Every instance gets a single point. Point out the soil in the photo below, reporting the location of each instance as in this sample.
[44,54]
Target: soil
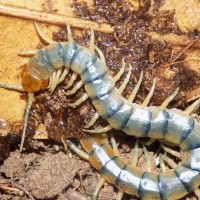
[47,170]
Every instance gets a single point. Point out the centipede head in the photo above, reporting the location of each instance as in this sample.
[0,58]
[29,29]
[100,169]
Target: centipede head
[32,83]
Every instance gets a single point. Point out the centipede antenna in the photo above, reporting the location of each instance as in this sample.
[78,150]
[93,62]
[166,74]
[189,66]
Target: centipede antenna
[12,86]
[27,112]
[148,162]
[135,154]
[114,145]
[101,55]
[135,90]
[119,195]
[192,107]
[98,188]
[92,121]
[126,80]
[69,33]
[92,46]
[149,96]
[121,71]
[75,88]
[100,130]
[79,101]
[42,35]
[169,99]
[77,150]
[71,81]
[171,151]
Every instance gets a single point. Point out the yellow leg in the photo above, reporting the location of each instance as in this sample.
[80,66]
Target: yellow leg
[148,98]
[79,101]
[27,112]
[74,89]
[42,35]
[135,90]
[171,151]
[148,162]
[98,188]
[92,46]
[69,33]
[162,164]
[71,81]
[100,130]
[135,154]
[100,54]
[54,80]
[169,99]
[121,71]
[114,145]
[77,150]
[192,107]
[63,75]
[197,192]
[126,80]
[171,163]
[92,121]
[119,195]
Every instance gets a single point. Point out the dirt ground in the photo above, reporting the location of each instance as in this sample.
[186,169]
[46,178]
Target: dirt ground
[149,35]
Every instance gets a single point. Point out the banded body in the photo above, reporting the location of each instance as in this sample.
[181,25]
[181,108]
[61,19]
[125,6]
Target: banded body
[172,125]
[170,185]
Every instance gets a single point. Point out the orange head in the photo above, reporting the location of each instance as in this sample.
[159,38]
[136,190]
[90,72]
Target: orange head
[32,83]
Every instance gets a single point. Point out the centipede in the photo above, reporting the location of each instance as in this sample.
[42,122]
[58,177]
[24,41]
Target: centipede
[50,65]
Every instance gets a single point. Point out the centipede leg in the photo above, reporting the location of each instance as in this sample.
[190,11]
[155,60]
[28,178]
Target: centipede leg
[168,160]
[197,192]
[27,111]
[79,101]
[114,145]
[192,107]
[126,80]
[42,35]
[71,81]
[54,81]
[98,188]
[169,99]
[146,101]
[69,33]
[135,154]
[77,150]
[102,57]
[92,121]
[171,151]
[148,162]
[63,75]
[135,90]
[74,89]
[121,71]
[92,46]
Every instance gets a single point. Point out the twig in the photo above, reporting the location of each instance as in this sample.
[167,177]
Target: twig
[174,39]
[53,18]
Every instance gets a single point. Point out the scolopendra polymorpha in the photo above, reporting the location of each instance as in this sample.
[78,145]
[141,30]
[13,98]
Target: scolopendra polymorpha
[45,70]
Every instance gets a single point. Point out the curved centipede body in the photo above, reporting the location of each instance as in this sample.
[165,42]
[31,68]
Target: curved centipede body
[173,184]
[49,66]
